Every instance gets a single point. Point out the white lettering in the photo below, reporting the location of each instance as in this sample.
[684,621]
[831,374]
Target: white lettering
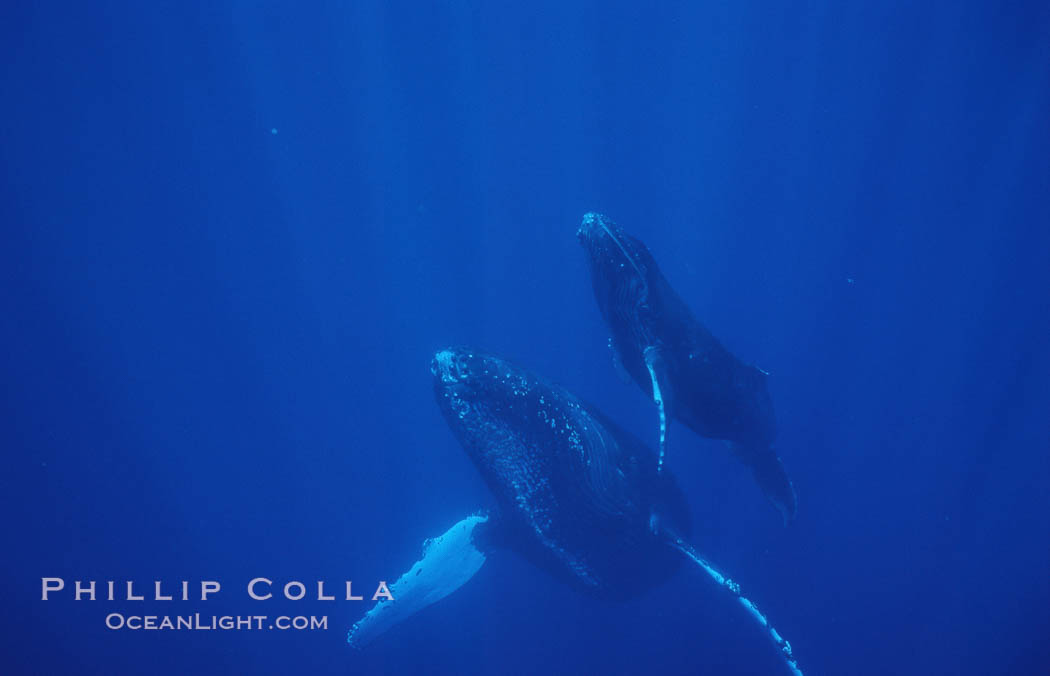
[209,587]
[132,597]
[158,596]
[381,590]
[81,590]
[299,585]
[47,584]
[251,589]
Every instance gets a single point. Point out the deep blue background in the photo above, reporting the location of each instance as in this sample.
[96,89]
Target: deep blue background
[215,338]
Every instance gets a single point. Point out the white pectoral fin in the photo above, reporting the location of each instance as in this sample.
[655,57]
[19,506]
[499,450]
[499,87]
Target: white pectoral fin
[779,642]
[661,396]
[449,560]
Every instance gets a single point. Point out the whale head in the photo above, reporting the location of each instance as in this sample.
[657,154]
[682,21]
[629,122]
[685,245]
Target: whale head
[465,373]
[610,250]
[621,266]
[483,397]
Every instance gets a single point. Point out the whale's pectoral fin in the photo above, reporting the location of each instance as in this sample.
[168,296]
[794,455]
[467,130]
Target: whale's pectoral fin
[662,396]
[771,476]
[781,644]
[449,560]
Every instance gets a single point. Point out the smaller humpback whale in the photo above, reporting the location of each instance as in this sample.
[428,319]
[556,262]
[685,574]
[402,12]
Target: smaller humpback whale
[575,495]
[689,375]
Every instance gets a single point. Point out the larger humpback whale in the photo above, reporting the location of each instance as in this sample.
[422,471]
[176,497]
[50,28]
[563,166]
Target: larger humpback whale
[674,358]
[575,495]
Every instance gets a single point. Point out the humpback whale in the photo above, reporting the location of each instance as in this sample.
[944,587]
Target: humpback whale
[575,495]
[690,376]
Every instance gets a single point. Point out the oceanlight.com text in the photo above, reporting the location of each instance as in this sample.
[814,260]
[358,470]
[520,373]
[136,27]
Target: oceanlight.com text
[199,622]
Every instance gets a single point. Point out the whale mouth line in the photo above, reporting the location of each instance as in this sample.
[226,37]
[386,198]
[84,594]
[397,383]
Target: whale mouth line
[630,259]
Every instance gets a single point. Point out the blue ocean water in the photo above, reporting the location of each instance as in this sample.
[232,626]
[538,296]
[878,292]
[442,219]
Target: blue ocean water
[236,233]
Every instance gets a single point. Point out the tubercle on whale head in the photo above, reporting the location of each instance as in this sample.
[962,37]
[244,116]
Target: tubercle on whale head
[609,248]
[597,232]
[591,223]
[450,365]
[457,387]
[471,374]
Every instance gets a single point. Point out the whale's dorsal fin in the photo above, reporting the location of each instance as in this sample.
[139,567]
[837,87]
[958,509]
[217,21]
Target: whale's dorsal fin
[781,644]
[449,560]
[662,395]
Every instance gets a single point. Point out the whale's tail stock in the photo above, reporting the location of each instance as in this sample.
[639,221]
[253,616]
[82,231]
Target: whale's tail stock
[770,476]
